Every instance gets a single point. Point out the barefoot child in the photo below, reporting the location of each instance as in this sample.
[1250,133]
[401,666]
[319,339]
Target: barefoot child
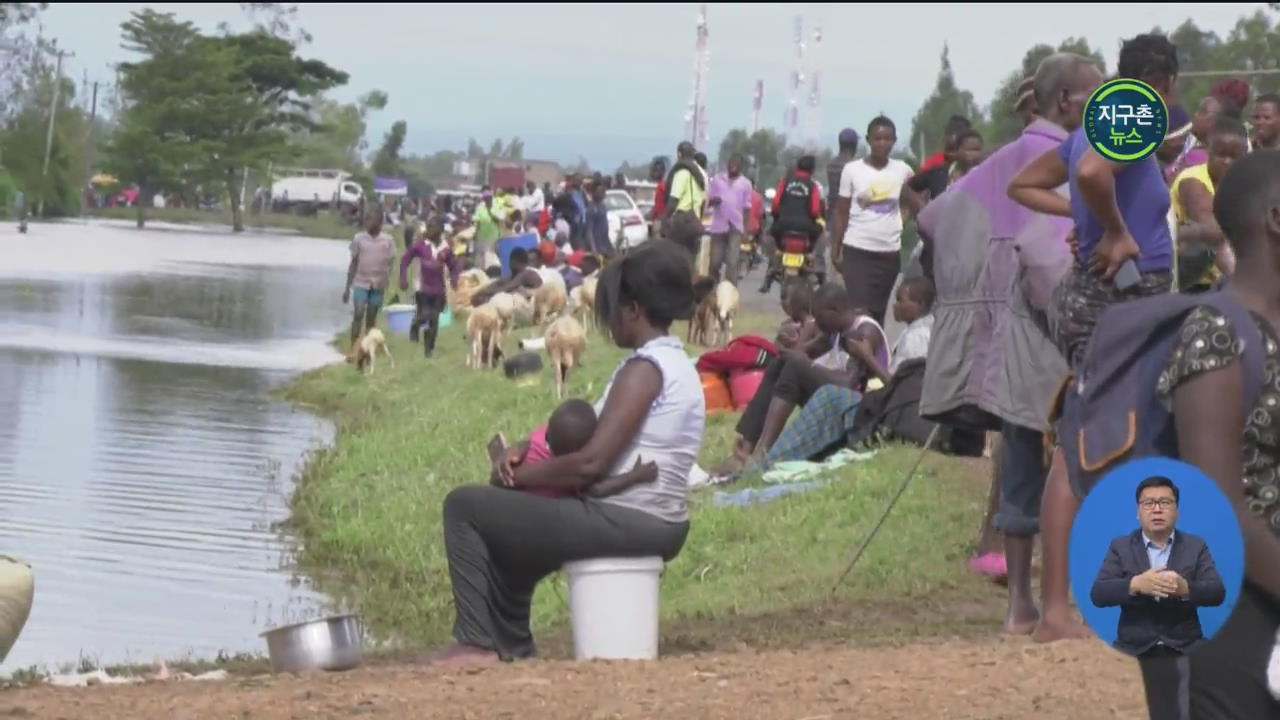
[372,253]
[567,431]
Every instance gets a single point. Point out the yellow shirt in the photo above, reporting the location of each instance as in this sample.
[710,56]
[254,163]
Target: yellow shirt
[689,196]
[1201,173]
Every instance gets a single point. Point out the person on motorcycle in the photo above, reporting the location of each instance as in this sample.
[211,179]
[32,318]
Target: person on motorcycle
[797,208]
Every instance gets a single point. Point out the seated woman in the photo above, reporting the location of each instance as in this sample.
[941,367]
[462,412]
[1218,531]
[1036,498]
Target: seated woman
[793,378]
[500,543]
[826,420]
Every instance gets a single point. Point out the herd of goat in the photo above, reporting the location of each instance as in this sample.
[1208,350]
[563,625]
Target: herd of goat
[565,317]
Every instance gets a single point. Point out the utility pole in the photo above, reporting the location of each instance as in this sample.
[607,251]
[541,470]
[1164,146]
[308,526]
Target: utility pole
[91,144]
[48,141]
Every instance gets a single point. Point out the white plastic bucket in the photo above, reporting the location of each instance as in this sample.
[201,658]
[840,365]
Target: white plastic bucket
[613,605]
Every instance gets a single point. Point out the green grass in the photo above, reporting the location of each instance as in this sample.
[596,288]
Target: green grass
[321,226]
[367,512]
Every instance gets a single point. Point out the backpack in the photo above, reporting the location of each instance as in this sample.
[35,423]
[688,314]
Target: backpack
[1109,412]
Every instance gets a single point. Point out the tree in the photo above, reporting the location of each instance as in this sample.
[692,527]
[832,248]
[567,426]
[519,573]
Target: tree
[1003,124]
[514,150]
[387,162]
[762,149]
[264,95]
[152,144]
[946,100]
[495,150]
[23,145]
[17,13]
[278,19]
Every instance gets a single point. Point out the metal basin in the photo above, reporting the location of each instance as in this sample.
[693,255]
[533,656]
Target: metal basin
[332,643]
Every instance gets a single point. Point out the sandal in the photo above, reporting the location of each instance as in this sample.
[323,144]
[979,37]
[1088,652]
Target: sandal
[992,566]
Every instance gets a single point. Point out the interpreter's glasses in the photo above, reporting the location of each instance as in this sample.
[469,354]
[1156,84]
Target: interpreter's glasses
[1162,503]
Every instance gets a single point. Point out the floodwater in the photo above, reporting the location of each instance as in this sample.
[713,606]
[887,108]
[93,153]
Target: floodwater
[143,462]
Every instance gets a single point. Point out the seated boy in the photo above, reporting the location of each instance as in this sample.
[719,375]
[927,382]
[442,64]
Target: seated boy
[799,327]
[912,306]
[568,430]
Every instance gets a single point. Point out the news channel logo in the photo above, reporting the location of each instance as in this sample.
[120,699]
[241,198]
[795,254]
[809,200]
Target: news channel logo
[1125,120]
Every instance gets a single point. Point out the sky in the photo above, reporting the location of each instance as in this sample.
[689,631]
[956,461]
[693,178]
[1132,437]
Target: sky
[612,83]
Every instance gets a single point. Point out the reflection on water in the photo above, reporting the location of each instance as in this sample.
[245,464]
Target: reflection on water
[142,460]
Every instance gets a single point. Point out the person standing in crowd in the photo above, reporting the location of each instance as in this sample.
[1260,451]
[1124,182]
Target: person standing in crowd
[368,274]
[435,259]
[730,200]
[1121,213]
[1025,106]
[847,142]
[993,365]
[1175,142]
[1266,122]
[1205,382]
[1204,255]
[963,156]
[534,202]
[872,200]
[1227,98]
[955,125]
[658,175]
[487,230]
[597,221]
[687,191]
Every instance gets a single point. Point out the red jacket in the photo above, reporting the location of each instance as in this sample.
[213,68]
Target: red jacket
[933,162]
[660,200]
[756,218]
[815,196]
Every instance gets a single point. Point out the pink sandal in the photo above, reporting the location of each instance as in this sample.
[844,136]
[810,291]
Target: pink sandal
[992,566]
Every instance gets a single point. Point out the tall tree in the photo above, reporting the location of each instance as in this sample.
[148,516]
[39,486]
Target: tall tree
[265,95]
[1003,124]
[514,150]
[387,162]
[495,150]
[947,99]
[153,141]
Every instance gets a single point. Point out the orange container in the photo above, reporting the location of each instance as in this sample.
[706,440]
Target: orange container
[743,385]
[716,391]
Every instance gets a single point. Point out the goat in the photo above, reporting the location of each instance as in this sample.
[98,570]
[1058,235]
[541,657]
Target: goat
[364,353]
[484,329]
[566,341]
[704,300]
[727,300]
[549,300]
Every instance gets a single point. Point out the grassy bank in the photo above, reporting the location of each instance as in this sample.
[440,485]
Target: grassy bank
[368,513]
[322,226]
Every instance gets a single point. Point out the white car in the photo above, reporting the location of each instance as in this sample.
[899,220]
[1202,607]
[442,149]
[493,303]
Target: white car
[626,216]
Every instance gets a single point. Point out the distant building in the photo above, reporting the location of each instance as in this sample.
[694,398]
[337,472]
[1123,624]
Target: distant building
[543,171]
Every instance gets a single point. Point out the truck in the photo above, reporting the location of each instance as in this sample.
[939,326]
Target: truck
[307,190]
[506,176]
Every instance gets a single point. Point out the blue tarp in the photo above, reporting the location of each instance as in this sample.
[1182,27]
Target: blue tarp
[528,241]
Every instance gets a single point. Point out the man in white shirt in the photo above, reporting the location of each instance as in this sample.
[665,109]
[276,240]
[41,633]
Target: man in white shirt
[869,220]
[535,203]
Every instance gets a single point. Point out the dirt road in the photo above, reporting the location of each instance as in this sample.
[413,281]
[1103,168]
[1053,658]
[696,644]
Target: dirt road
[955,680]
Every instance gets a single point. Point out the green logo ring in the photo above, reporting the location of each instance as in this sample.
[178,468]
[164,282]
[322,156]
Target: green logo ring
[1109,130]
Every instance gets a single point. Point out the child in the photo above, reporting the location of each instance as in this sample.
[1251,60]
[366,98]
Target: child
[435,257]
[568,430]
[797,303]
[913,306]
[372,253]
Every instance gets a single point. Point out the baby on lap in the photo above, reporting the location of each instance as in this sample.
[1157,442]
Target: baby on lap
[568,430]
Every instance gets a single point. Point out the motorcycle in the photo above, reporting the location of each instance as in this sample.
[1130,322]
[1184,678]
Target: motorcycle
[749,255]
[797,259]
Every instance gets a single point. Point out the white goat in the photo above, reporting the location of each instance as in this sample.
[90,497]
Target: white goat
[566,342]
